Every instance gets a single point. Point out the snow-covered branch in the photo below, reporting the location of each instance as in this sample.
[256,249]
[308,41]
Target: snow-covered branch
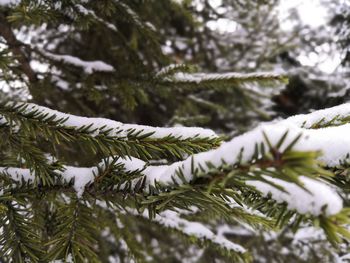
[171,219]
[115,128]
[333,114]
[198,78]
[80,176]
[333,142]
[88,66]
[316,197]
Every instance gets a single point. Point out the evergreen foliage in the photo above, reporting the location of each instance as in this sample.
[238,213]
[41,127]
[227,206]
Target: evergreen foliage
[79,184]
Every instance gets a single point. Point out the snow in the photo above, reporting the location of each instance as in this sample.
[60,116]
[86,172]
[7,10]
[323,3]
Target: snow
[307,234]
[84,176]
[319,197]
[344,258]
[166,69]
[62,84]
[81,176]
[200,77]
[120,130]
[325,115]
[88,66]
[151,26]
[18,174]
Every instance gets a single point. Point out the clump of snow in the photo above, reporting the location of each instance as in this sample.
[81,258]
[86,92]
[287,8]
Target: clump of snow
[18,174]
[317,198]
[62,84]
[81,176]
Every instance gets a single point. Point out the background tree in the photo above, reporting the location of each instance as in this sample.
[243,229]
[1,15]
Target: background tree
[95,189]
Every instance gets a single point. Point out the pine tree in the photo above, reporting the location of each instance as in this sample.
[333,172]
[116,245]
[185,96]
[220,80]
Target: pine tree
[81,182]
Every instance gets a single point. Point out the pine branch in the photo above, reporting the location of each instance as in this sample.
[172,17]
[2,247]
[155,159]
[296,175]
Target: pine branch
[88,12]
[34,158]
[19,240]
[74,235]
[170,70]
[89,67]
[217,79]
[107,136]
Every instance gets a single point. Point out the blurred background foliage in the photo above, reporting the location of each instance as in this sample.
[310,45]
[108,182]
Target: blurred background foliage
[203,35]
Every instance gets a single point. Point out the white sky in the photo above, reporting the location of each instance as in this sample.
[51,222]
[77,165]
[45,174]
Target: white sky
[311,12]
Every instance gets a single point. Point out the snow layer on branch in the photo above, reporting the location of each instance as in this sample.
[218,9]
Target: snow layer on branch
[332,141]
[318,197]
[88,66]
[81,176]
[165,70]
[325,115]
[201,77]
[18,174]
[172,220]
[121,130]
